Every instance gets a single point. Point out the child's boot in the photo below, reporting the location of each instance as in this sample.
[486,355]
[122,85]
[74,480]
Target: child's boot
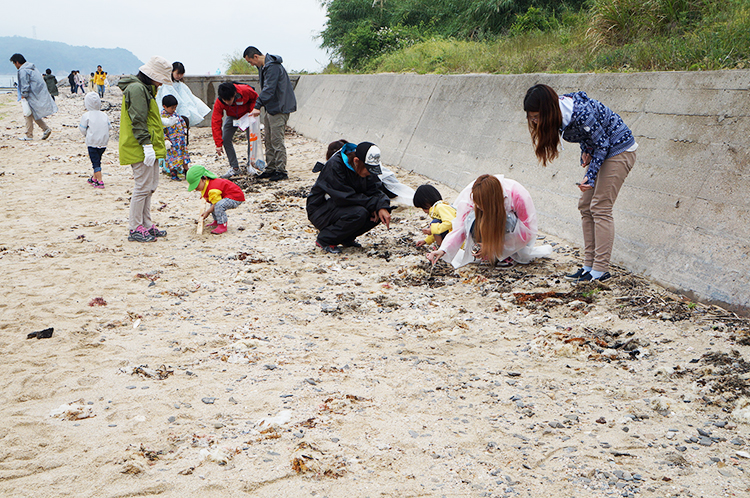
[219,229]
[213,224]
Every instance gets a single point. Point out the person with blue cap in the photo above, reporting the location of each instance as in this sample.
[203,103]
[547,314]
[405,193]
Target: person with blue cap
[347,200]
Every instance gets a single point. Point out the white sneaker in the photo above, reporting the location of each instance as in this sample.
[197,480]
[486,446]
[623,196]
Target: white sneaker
[26,139]
[46,133]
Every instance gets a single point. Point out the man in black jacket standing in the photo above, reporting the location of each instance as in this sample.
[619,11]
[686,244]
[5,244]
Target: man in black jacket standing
[276,95]
[346,200]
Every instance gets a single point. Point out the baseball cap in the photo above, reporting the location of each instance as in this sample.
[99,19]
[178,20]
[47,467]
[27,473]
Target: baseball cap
[369,153]
[194,175]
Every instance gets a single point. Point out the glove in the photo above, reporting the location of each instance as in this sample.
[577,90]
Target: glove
[149,155]
[167,122]
[167,144]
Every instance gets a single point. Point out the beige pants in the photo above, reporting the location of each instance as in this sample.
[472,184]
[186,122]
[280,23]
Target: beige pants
[30,125]
[595,206]
[146,180]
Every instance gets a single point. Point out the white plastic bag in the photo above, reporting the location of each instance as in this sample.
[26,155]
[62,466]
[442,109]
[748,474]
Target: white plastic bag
[256,146]
[25,107]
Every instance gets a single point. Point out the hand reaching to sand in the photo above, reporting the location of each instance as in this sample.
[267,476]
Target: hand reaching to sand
[434,256]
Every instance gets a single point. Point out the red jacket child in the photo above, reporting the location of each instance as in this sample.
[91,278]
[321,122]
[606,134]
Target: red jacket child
[221,193]
[218,188]
[243,104]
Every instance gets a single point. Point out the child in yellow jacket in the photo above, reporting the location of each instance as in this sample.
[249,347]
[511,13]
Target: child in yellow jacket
[431,202]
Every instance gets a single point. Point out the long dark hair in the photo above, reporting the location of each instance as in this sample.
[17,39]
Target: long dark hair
[489,209]
[545,132]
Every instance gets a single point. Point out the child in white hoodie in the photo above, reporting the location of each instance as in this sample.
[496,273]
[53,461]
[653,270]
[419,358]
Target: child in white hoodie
[95,127]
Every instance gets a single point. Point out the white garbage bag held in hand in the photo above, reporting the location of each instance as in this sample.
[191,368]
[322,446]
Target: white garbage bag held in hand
[25,107]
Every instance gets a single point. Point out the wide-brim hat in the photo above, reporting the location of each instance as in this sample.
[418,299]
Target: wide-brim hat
[369,154]
[194,175]
[158,69]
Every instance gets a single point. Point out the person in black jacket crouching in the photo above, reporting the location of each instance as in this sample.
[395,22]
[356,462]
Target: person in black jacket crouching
[346,200]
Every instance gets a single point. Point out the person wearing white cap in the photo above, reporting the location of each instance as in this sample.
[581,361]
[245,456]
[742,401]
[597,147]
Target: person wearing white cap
[142,142]
[347,200]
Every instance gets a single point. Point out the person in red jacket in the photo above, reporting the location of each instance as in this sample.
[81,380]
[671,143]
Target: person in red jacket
[221,193]
[236,99]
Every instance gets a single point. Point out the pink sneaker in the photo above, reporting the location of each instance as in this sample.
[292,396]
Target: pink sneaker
[98,184]
[219,229]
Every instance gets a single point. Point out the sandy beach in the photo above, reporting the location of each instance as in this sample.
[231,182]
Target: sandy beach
[253,364]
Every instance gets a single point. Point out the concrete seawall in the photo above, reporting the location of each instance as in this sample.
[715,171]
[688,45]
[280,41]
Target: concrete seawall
[681,216]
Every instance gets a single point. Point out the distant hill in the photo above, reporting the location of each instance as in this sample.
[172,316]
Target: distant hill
[62,58]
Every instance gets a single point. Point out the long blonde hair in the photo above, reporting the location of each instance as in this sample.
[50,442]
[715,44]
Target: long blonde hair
[545,134]
[489,209]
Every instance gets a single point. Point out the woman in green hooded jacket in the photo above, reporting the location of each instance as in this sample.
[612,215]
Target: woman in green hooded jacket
[142,142]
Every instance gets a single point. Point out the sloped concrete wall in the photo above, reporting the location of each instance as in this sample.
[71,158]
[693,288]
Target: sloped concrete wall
[681,217]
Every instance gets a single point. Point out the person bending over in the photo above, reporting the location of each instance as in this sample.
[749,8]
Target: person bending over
[428,199]
[495,221]
[237,99]
[346,200]
[607,152]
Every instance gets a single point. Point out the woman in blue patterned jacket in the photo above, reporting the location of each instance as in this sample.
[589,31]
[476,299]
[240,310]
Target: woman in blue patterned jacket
[607,153]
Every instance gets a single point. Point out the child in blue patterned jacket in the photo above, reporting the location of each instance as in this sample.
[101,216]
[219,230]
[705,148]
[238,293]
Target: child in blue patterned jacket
[607,153]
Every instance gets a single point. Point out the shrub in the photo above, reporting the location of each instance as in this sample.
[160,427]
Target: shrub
[533,20]
[236,64]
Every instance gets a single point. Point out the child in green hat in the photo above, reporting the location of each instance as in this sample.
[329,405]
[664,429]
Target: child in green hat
[221,193]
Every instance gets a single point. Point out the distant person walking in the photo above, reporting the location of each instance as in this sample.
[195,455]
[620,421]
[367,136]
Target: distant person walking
[607,153]
[277,98]
[72,81]
[80,83]
[51,82]
[142,142]
[34,97]
[95,127]
[100,80]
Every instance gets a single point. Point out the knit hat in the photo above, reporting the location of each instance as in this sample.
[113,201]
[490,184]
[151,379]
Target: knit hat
[194,175]
[369,153]
[158,69]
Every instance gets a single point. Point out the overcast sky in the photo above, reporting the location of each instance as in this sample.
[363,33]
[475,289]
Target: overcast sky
[199,33]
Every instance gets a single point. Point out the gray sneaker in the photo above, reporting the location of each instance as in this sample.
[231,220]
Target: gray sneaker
[156,232]
[46,133]
[229,174]
[140,234]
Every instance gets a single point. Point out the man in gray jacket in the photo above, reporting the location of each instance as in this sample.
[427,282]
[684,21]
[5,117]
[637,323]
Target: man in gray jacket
[276,95]
[33,91]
